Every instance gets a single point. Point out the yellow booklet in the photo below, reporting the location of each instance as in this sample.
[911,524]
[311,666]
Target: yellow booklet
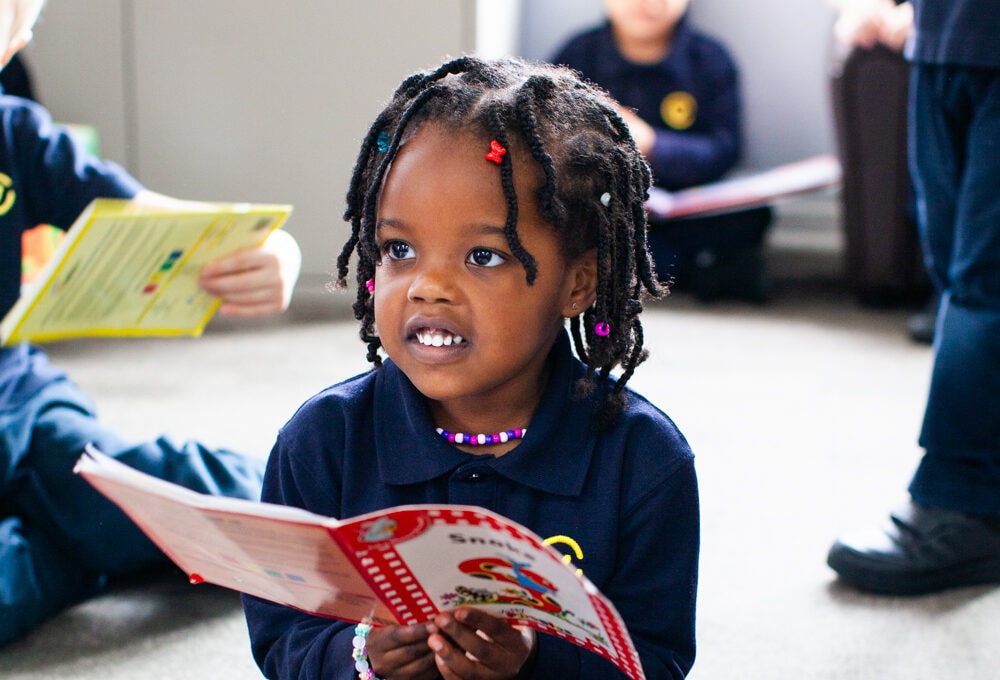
[130,270]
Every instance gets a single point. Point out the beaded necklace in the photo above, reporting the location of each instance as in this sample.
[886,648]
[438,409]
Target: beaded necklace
[481,439]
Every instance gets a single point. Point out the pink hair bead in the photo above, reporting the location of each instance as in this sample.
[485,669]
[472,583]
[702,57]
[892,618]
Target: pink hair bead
[370,285]
[602,328]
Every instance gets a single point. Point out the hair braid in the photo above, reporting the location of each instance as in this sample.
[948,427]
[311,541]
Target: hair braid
[498,112]
[538,89]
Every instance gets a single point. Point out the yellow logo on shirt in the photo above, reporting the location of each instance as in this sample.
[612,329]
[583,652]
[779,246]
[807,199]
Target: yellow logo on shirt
[573,546]
[678,110]
[7,194]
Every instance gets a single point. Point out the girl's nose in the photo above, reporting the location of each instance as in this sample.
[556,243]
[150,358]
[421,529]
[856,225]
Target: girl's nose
[432,284]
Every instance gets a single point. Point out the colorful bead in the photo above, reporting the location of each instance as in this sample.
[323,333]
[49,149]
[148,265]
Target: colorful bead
[383,141]
[605,199]
[359,652]
[496,152]
[482,439]
[370,285]
[602,329]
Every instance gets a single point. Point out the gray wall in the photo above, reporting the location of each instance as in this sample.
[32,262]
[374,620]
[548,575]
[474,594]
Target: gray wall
[255,100]
[241,100]
[783,49]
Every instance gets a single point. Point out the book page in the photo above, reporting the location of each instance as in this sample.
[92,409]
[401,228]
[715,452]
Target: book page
[739,193]
[274,552]
[424,559]
[128,270]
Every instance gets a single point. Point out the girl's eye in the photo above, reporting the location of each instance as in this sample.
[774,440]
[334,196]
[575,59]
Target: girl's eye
[398,250]
[484,257]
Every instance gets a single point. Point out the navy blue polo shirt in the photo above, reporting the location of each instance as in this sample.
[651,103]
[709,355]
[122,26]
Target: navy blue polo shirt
[691,98]
[628,496]
[957,32]
[46,177]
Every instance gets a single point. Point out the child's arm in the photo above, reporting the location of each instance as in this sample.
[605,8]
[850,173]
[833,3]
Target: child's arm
[286,642]
[686,157]
[655,587]
[250,283]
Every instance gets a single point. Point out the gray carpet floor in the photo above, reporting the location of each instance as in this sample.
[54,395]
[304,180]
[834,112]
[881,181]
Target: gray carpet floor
[803,413]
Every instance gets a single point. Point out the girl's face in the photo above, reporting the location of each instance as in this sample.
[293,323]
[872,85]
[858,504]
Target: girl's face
[452,306]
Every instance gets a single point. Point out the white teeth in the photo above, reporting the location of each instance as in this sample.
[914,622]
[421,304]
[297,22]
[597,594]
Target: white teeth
[438,338]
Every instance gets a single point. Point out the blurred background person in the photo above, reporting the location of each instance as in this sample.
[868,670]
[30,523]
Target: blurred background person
[948,533]
[680,96]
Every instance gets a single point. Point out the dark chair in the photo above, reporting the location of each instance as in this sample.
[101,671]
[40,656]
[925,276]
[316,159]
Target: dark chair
[883,262]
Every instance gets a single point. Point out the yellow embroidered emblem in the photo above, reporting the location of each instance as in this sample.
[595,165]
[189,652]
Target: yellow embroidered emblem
[7,194]
[679,110]
[573,546]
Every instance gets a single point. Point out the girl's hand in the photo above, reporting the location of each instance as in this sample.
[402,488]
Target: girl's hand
[255,282]
[469,644]
[401,652]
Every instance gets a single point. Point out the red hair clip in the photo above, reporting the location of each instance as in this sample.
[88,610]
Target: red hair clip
[496,152]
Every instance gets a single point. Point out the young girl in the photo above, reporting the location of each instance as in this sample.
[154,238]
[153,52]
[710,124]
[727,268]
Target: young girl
[491,202]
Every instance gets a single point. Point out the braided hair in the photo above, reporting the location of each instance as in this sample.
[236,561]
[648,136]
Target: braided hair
[593,193]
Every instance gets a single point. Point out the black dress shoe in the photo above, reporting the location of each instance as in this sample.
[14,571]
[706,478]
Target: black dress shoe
[922,550]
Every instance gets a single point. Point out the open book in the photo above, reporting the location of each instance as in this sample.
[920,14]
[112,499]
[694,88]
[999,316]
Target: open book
[127,269]
[748,191]
[401,565]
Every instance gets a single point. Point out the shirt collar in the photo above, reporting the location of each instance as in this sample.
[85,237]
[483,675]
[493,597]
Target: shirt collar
[554,457]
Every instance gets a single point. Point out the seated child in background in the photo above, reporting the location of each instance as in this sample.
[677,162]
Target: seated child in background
[679,91]
[60,539]
[491,202]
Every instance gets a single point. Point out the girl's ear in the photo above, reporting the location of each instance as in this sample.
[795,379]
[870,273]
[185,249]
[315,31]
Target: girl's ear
[583,278]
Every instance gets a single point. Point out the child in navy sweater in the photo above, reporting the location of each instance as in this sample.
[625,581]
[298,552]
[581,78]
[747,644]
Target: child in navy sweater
[679,92]
[60,540]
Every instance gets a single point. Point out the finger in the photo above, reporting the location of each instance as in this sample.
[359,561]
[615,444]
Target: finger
[452,662]
[243,311]
[220,281]
[248,293]
[245,292]
[469,641]
[409,661]
[390,637]
[495,629]
[421,668]
[401,651]
[244,260]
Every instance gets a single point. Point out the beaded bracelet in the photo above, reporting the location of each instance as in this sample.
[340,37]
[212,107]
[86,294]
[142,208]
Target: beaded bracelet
[360,651]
